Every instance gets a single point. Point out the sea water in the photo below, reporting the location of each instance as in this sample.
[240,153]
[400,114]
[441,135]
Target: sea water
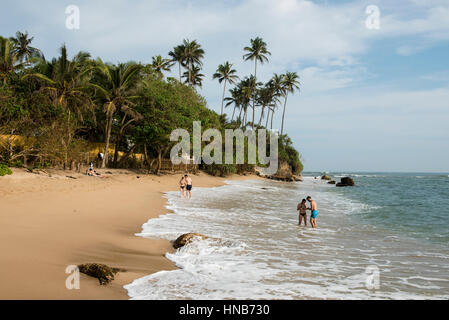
[385,238]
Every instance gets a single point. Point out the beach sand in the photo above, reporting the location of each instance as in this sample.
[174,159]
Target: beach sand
[49,221]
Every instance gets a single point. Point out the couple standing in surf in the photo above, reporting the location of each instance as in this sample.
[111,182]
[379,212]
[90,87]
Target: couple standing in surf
[186,185]
[302,208]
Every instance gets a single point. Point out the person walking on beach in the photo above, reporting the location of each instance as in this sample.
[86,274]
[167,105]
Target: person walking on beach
[302,208]
[314,209]
[189,186]
[182,186]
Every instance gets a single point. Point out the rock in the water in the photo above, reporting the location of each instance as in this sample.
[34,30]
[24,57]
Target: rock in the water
[332,182]
[187,238]
[326,177]
[102,272]
[346,182]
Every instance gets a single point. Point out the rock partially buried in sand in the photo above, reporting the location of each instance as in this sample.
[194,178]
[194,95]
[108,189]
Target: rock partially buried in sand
[346,182]
[186,239]
[102,272]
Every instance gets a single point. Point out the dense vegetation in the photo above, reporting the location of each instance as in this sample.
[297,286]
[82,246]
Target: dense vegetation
[52,112]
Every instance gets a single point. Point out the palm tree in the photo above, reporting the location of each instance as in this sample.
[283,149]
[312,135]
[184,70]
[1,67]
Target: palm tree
[115,88]
[235,99]
[193,53]
[196,78]
[9,61]
[227,74]
[257,52]
[276,84]
[289,83]
[246,88]
[178,56]
[67,81]
[265,98]
[160,64]
[23,49]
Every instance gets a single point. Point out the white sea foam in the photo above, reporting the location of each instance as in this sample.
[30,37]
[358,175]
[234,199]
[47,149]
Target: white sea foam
[267,256]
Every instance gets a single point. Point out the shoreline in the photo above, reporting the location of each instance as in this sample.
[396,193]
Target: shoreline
[48,223]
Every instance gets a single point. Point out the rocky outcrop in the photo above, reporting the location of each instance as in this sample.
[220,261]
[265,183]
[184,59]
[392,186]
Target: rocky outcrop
[332,182]
[326,177]
[102,272]
[284,173]
[186,239]
[346,182]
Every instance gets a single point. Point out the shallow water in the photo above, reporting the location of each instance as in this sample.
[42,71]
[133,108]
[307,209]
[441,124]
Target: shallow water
[265,255]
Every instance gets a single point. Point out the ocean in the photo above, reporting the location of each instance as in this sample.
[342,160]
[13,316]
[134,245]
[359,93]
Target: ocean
[385,238]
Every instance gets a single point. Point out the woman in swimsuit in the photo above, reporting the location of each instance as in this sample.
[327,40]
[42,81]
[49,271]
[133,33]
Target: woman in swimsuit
[302,212]
[182,186]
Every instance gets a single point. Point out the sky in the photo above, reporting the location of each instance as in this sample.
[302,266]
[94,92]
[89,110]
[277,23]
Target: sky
[371,98]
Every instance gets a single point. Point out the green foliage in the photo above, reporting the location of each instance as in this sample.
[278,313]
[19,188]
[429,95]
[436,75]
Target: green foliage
[4,170]
[287,153]
[56,108]
[220,170]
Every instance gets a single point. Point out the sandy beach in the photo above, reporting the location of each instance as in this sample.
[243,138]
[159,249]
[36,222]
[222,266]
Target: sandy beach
[49,221]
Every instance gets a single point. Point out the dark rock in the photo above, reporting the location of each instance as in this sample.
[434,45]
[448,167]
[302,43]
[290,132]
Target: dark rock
[332,182]
[102,272]
[326,177]
[186,239]
[346,182]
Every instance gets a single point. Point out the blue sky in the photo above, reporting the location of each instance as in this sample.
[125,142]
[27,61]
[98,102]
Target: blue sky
[370,100]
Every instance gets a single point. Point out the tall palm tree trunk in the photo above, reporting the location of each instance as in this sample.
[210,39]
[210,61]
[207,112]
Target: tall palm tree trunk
[272,116]
[180,77]
[261,115]
[254,93]
[108,138]
[233,113]
[240,114]
[190,73]
[268,118]
[283,114]
[222,100]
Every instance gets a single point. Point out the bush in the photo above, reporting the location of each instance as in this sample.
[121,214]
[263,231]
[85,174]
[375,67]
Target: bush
[220,170]
[4,170]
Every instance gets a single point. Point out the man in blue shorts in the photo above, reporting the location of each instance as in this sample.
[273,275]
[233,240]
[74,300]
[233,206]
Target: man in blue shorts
[314,209]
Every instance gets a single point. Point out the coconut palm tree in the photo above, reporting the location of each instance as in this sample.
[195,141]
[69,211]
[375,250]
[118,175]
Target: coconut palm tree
[276,84]
[193,53]
[235,99]
[225,74]
[178,56]
[115,89]
[160,64]
[289,84]
[246,88]
[23,49]
[67,81]
[9,60]
[265,98]
[195,76]
[258,52]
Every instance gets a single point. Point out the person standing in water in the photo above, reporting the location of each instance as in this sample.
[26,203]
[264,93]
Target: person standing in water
[302,208]
[314,209]
[182,186]
[189,186]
